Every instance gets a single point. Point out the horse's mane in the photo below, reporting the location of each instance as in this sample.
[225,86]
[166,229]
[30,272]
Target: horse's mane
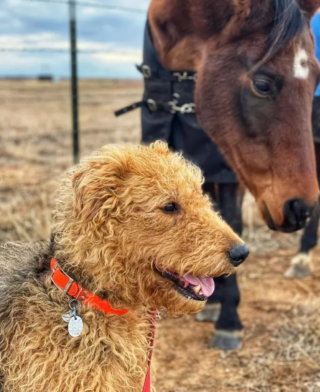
[289,22]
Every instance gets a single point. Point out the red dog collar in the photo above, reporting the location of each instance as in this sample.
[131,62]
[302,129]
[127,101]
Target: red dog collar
[63,282]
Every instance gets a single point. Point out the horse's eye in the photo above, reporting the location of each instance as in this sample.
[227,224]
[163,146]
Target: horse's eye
[171,208]
[262,86]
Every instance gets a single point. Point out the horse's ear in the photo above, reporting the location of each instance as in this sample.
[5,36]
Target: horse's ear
[242,10]
[309,7]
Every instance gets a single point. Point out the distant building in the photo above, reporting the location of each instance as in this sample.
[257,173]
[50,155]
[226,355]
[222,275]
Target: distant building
[45,78]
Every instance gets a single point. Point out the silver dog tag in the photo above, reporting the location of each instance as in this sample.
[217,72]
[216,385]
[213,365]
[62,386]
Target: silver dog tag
[75,323]
[75,326]
[67,317]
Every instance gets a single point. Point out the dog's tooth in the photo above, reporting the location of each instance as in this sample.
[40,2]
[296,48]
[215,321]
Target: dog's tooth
[197,289]
[200,292]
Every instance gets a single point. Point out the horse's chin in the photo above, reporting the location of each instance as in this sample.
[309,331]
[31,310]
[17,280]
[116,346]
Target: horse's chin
[292,221]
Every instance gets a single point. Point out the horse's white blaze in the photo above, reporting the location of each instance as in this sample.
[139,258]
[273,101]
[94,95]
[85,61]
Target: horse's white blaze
[300,66]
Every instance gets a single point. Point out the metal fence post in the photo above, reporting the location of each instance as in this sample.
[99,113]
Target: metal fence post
[74,80]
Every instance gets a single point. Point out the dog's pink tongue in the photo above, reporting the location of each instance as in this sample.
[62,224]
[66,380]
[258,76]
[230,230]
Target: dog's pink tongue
[207,284]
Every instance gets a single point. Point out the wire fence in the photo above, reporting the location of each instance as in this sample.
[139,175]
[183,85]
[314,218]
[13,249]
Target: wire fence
[93,5]
[53,50]
[74,50]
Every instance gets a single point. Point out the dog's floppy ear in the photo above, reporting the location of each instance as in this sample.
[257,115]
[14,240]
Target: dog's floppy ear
[96,186]
[86,204]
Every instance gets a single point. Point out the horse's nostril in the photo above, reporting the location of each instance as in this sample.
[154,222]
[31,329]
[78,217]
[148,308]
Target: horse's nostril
[238,254]
[296,214]
[306,214]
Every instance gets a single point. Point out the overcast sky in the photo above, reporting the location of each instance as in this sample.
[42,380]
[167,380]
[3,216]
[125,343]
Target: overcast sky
[30,24]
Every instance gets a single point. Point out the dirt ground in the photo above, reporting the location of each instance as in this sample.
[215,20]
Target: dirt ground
[281,351]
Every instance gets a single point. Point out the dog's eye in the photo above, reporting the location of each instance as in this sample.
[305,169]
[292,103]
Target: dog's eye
[171,208]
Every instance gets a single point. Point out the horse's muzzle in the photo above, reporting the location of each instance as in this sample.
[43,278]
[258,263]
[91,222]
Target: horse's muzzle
[296,214]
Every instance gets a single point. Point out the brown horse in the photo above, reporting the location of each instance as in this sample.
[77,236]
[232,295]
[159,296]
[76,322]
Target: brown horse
[256,77]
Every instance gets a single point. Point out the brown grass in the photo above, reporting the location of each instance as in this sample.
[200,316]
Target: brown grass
[36,144]
[282,334]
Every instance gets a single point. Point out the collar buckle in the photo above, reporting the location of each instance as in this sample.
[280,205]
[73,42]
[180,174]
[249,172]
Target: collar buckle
[70,287]
[67,286]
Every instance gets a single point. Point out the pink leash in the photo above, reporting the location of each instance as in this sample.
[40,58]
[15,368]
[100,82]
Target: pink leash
[147,382]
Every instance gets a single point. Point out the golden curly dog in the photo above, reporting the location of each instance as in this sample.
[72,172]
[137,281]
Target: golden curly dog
[132,226]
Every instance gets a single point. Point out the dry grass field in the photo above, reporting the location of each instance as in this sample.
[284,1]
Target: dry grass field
[281,350]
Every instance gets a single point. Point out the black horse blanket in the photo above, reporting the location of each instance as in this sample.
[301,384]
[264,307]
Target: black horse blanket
[179,127]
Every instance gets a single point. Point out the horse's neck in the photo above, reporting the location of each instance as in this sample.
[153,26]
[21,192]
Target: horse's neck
[179,29]
[183,56]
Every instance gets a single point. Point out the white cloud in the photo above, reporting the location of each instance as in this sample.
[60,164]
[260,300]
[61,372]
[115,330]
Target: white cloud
[35,25]
[33,41]
[133,57]
[56,11]
[25,8]
[19,62]
[55,41]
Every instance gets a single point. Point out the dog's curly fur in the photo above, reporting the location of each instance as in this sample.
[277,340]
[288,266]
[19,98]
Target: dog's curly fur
[109,231]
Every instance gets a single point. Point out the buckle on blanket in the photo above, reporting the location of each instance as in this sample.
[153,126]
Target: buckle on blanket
[182,76]
[152,105]
[171,107]
[187,108]
[146,71]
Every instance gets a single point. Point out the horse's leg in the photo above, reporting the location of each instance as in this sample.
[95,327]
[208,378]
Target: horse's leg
[301,264]
[228,326]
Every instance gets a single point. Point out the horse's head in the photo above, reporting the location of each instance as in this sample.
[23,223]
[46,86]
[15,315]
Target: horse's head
[257,75]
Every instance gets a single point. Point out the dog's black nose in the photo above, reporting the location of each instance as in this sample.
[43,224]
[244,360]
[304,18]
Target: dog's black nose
[238,254]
